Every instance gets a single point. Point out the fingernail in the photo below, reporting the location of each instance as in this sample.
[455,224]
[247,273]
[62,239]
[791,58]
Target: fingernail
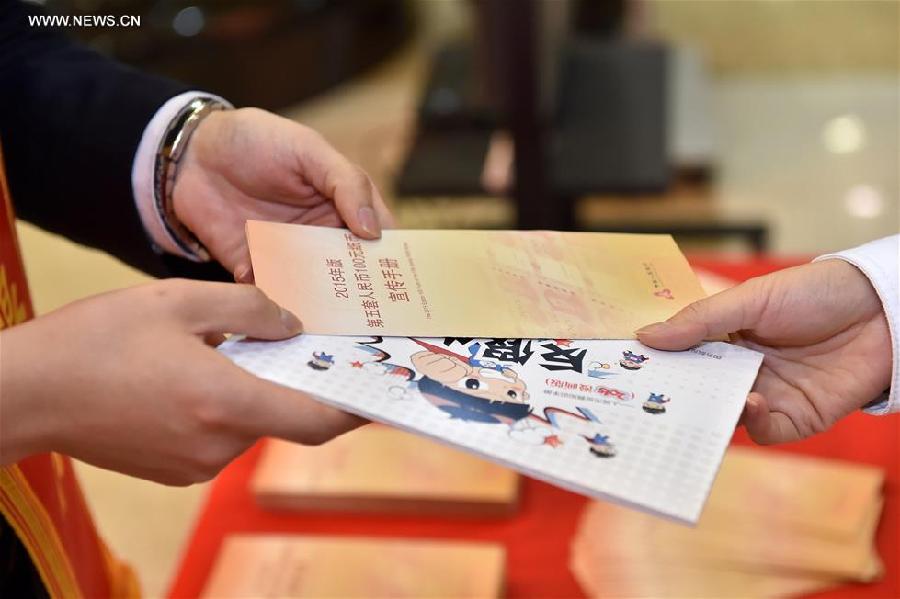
[368,222]
[653,329]
[754,405]
[243,274]
[290,321]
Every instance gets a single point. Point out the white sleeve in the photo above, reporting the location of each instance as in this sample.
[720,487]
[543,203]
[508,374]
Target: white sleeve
[880,262]
[142,171]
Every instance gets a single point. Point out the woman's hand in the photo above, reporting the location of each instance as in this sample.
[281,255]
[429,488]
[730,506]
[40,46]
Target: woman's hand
[825,338]
[129,381]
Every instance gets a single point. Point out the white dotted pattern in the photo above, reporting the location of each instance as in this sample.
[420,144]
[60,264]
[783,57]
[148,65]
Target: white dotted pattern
[664,463]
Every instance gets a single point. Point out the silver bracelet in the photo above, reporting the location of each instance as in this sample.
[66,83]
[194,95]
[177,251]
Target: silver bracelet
[171,149]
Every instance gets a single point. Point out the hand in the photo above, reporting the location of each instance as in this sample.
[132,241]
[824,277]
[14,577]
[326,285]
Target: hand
[824,335]
[251,164]
[439,367]
[128,381]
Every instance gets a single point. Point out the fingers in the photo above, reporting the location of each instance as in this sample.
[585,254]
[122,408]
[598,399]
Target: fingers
[764,426]
[243,271]
[357,201]
[213,339]
[727,312]
[276,411]
[440,368]
[209,308]
[381,210]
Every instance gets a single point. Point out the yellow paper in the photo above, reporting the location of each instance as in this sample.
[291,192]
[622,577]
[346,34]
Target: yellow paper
[382,469]
[761,519]
[340,567]
[604,576]
[504,284]
[829,498]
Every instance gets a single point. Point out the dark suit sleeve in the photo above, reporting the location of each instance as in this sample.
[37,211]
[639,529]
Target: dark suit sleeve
[70,123]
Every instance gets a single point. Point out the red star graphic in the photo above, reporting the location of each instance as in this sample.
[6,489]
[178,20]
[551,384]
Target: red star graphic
[563,342]
[356,364]
[552,441]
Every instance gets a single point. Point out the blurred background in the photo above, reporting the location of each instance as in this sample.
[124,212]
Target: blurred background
[752,127]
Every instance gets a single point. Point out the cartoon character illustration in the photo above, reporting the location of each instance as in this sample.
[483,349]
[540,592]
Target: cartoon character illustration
[468,388]
[582,423]
[321,361]
[601,446]
[381,365]
[632,361]
[599,370]
[655,404]
[475,389]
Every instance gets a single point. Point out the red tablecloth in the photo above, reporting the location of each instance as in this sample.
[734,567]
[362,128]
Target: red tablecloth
[537,538]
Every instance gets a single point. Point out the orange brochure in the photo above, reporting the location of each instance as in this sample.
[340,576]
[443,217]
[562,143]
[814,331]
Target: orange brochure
[500,284]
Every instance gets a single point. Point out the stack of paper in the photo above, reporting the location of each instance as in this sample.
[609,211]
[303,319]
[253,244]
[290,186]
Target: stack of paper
[319,567]
[381,469]
[774,525]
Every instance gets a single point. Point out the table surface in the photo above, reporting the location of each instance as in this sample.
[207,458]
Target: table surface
[538,536]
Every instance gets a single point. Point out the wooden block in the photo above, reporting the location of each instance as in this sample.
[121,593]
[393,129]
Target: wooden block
[320,567]
[380,469]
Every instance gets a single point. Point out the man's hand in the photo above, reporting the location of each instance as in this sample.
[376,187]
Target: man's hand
[824,335]
[251,164]
[128,381]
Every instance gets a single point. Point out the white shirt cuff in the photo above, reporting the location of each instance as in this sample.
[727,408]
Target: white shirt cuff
[142,172]
[880,262]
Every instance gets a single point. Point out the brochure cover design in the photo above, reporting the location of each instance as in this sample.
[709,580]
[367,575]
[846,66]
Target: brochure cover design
[478,283]
[611,419]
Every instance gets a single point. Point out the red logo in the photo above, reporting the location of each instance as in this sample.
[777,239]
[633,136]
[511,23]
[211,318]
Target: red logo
[666,293]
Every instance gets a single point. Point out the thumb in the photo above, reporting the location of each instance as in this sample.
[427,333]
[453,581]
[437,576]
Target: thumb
[276,411]
[732,310]
[208,308]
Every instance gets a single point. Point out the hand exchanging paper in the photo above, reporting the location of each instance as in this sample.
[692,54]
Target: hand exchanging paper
[128,381]
[825,338]
[251,164]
